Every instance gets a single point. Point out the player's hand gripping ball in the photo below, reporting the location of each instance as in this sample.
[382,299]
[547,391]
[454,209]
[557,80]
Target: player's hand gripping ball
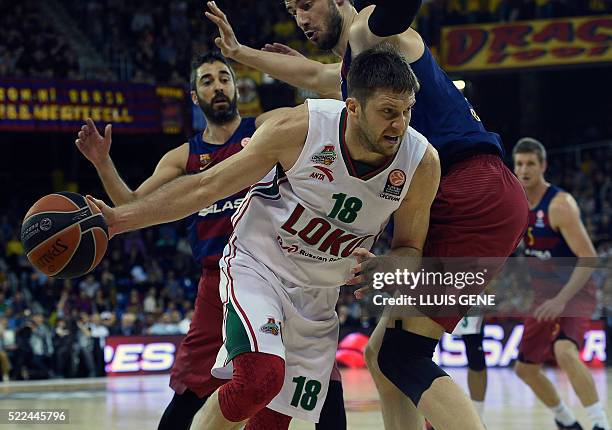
[64,235]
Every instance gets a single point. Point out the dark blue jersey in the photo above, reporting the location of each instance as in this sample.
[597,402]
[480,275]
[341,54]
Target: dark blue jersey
[211,228]
[544,242]
[442,114]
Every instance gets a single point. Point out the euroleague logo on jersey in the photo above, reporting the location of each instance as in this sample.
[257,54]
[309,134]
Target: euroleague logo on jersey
[394,186]
[397,178]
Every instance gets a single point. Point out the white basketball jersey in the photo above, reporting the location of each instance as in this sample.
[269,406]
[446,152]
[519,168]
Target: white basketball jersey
[304,223]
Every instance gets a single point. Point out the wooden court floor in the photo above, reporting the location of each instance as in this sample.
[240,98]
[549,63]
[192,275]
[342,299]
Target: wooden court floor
[137,402]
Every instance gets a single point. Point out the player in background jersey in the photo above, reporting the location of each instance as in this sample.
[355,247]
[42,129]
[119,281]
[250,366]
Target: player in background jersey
[563,299]
[213,89]
[480,210]
[296,230]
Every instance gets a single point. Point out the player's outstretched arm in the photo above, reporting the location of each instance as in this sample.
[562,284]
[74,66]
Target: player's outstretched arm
[271,114]
[96,148]
[278,140]
[297,71]
[565,216]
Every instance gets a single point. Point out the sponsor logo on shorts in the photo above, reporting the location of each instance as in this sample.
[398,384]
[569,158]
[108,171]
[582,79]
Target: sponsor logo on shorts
[394,186]
[45,224]
[271,327]
[323,172]
[327,156]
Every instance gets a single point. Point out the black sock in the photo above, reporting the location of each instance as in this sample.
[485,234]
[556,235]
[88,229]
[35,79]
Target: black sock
[333,415]
[181,410]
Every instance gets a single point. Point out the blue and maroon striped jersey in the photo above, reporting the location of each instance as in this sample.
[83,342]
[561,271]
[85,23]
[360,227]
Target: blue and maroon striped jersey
[211,228]
[543,242]
[442,114]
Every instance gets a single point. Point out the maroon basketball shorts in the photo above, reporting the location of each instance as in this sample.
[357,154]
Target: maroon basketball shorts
[539,338]
[480,211]
[198,351]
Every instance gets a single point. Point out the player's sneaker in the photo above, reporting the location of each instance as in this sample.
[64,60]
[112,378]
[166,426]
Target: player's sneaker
[598,428]
[575,426]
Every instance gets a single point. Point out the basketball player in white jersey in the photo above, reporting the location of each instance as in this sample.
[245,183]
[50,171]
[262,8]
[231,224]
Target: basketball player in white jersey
[327,177]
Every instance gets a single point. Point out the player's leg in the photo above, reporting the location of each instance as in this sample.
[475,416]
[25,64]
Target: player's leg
[406,359]
[568,358]
[399,413]
[535,347]
[190,377]
[480,211]
[257,379]
[333,414]
[253,351]
[544,390]
[477,369]
[267,419]
[542,387]
[181,410]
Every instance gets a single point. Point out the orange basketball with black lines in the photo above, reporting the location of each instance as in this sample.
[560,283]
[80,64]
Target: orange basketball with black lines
[64,235]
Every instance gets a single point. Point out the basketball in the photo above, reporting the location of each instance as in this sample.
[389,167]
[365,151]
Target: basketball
[64,235]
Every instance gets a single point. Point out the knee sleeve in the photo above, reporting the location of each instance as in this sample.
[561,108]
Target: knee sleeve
[257,379]
[406,360]
[475,353]
[333,414]
[181,410]
[267,419]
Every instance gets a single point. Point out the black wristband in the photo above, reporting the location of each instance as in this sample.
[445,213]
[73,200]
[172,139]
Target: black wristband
[392,17]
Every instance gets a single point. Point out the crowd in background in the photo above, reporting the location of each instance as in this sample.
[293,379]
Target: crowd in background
[31,47]
[590,182]
[148,41]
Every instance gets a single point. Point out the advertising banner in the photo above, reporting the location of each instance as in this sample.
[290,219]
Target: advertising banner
[527,44]
[62,105]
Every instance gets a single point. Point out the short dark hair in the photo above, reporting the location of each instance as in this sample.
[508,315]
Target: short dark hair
[208,58]
[529,145]
[352,2]
[377,68]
